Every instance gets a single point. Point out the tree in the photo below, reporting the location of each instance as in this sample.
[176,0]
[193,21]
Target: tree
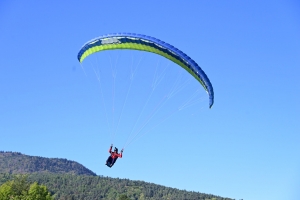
[16,188]
[20,188]
[38,192]
[142,196]
[124,197]
[6,190]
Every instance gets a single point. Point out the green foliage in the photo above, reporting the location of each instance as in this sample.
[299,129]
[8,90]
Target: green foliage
[17,188]
[37,191]
[6,190]
[124,197]
[20,189]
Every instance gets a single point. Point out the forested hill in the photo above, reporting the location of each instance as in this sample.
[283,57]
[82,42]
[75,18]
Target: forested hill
[69,186]
[70,180]
[17,163]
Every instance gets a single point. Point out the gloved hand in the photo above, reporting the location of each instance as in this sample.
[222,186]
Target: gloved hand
[111,145]
[122,150]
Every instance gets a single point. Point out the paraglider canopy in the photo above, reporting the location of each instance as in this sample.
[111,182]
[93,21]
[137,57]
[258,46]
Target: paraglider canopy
[150,44]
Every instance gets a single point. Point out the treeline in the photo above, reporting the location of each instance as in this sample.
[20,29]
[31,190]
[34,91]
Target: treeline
[70,186]
[17,163]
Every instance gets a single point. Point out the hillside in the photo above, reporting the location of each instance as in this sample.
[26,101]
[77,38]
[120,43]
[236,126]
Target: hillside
[77,182]
[17,163]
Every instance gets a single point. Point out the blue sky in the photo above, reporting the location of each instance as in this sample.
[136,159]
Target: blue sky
[245,147]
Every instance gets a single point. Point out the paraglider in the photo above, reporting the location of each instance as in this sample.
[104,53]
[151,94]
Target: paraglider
[114,155]
[132,41]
